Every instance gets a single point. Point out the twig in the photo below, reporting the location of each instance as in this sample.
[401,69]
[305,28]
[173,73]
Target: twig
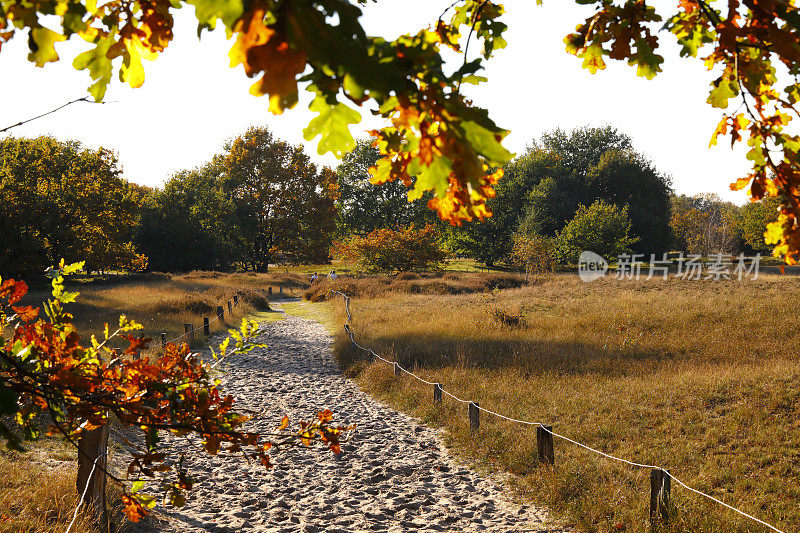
[20,123]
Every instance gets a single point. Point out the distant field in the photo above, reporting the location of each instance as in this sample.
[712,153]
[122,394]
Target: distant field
[698,376]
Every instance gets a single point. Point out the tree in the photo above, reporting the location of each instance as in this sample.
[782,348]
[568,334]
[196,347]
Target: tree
[283,204]
[753,220]
[600,164]
[364,207]
[190,223]
[435,133]
[45,369]
[394,250]
[491,240]
[704,224]
[62,200]
[315,220]
[602,228]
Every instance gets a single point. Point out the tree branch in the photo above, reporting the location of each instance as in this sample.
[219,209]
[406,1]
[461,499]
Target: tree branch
[84,99]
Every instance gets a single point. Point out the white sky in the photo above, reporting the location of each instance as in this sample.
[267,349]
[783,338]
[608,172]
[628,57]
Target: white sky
[192,101]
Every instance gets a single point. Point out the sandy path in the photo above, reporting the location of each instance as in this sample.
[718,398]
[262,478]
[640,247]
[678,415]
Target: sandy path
[394,474]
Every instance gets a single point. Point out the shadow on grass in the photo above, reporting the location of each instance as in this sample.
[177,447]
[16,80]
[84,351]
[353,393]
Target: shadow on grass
[529,356]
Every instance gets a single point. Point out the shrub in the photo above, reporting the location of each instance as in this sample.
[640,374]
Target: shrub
[602,228]
[389,250]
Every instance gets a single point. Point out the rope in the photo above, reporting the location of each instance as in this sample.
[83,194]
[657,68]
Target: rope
[190,331]
[85,489]
[346,299]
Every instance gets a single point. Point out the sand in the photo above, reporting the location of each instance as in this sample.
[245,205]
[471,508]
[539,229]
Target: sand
[394,473]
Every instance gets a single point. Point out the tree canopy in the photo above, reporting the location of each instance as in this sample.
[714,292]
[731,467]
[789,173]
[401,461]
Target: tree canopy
[436,139]
[61,200]
[541,190]
[365,207]
[283,202]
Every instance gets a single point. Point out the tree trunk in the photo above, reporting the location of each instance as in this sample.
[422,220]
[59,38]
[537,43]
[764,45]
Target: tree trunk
[91,481]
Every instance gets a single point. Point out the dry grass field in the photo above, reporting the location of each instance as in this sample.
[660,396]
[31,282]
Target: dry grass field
[37,488]
[164,303]
[700,377]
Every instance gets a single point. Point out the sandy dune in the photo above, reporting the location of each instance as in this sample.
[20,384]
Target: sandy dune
[394,474]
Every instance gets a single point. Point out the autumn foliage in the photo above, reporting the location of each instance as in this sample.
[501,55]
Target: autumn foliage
[45,369]
[394,250]
[436,139]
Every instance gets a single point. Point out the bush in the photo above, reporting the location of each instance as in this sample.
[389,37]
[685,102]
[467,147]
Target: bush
[602,228]
[389,250]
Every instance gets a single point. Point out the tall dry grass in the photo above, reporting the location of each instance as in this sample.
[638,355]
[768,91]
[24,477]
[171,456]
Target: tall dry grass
[37,491]
[164,303]
[373,286]
[699,377]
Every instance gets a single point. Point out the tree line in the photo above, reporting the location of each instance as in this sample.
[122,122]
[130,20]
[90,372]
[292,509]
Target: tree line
[569,191]
[261,201]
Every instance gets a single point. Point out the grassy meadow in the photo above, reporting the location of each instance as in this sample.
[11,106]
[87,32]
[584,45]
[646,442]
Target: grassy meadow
[700,377]
[37,487]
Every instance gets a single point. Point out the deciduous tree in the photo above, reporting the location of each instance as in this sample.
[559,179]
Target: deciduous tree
[364,207]
[600,164]
[438,140]
[602,228]
[754,217]
[704,224]
[283,202]
[62,200]
[190,223]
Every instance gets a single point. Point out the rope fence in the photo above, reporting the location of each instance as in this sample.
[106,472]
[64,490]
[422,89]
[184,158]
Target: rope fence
[220,315]
[659,476]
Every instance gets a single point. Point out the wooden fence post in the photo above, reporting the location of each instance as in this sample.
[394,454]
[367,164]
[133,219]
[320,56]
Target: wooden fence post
[544,444]
[230,308]
[189,328]
[219,313]
[474,416]
[397,370]
[659,495]
[206,326]
[92,450]
[163,339]
[437,393]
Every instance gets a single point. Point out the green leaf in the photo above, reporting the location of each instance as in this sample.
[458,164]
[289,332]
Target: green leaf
[208,11]
[474,79]
[137,486]
[723,90]
[434,176]
[41,43]
[486,143]
[99,65]
[648,63]
[332,125]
